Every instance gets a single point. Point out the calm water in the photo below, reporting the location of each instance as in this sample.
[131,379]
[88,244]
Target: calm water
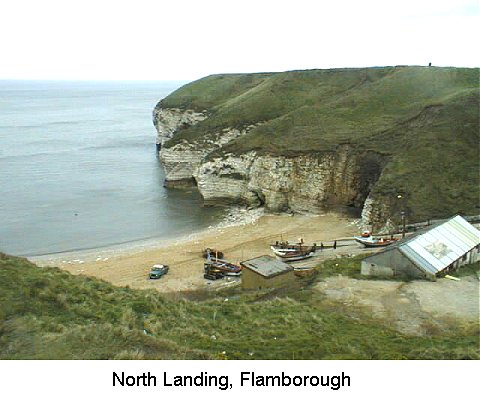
[78,168]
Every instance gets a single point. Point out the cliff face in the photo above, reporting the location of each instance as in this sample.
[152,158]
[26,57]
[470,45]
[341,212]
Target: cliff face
[183,160]
[168,120]
[305,183]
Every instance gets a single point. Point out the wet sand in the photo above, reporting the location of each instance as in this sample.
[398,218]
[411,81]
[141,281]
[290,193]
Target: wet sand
[130,267]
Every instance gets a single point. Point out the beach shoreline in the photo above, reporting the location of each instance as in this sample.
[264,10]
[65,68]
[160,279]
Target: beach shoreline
[234,217]
[242,235]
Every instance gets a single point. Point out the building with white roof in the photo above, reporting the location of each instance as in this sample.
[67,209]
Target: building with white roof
[428,254]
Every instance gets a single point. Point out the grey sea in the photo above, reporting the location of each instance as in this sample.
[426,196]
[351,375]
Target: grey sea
[78,168]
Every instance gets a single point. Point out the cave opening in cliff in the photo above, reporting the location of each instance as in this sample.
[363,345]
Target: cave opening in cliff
[261,198]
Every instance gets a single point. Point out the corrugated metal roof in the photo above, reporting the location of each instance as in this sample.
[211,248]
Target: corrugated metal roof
[439,247]
[267,266]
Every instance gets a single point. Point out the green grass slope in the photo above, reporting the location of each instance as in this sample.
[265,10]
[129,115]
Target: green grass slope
[424,121]
[49,314]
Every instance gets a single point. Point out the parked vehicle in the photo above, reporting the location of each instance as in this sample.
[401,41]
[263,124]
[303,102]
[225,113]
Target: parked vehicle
[212,273]
[158,270]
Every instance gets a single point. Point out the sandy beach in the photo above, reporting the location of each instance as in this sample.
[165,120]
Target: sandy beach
[250,238]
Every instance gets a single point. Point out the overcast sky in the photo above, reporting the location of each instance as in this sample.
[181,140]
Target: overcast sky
[187,39]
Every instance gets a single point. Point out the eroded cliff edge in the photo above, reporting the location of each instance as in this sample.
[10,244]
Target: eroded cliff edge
[380,139]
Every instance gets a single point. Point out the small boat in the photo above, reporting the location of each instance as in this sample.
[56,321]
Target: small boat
[224,266]
[295,255]
[374,242]
[293,252]
[280,248]
[286,251]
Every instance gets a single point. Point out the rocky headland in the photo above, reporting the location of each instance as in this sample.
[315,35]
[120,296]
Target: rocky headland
[380,140]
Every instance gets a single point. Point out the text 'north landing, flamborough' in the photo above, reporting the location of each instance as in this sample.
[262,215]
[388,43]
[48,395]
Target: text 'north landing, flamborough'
[222,382]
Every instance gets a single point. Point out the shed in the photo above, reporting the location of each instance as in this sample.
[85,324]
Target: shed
[266,272]
[428,253]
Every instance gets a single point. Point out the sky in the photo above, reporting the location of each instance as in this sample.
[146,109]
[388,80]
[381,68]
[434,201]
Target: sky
[187,39]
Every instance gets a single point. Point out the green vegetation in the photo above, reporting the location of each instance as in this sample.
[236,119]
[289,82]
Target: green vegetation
[351,267]
[49,314]
[423,122]
[212,90]
[346,266]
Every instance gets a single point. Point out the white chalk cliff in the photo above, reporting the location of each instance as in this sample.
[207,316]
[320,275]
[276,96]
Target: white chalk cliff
[304,183]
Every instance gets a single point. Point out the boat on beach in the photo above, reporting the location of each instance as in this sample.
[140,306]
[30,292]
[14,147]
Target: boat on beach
[295,255]
[374,242]
[285,251]
[227,268]
[285,246]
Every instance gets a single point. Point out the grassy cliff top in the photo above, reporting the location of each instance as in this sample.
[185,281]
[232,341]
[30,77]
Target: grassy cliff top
[301,111]
[423,120]
[46,313]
